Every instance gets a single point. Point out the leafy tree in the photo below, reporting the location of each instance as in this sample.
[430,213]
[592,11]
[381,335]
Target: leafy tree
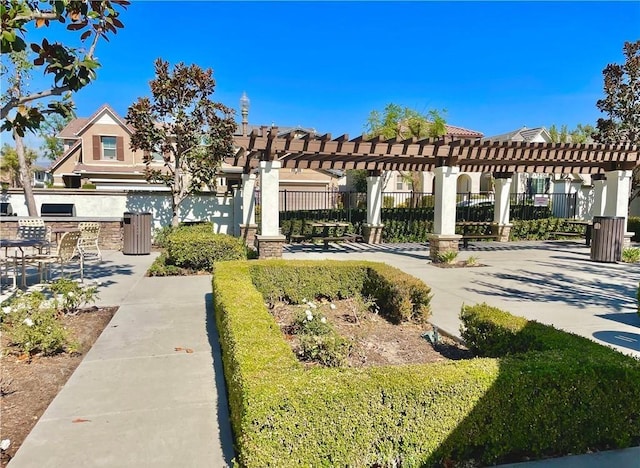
[404,123]
[52,146]
[622,99]
[192,132]
[580,134]
[71,68]
[10,166]
[622,104]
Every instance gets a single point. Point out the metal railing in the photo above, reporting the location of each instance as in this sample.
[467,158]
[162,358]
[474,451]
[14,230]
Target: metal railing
[345,205]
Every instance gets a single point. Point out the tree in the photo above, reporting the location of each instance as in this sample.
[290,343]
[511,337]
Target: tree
[71,68]
[404,123]
[52,146]
[622,105]
[580,134]
[9,164]
[192,132]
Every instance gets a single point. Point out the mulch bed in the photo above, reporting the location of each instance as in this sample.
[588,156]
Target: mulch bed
[29,385]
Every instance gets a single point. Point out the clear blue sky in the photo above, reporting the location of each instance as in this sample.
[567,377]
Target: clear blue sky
[494,66]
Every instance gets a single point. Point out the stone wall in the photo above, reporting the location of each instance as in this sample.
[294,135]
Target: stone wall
[110,229]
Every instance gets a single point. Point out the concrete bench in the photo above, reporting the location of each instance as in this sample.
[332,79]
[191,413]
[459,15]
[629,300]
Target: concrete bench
[557,234]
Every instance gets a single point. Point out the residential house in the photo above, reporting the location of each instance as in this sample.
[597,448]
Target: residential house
[533,183]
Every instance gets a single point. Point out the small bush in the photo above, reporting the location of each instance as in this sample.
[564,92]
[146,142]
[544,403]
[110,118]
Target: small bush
[162,267]
[71,295]
[88,186]
[33,325]
[448,256]
[198,248]
[631,255]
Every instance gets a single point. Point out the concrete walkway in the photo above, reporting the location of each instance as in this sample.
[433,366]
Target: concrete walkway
[151,390]
[148,402]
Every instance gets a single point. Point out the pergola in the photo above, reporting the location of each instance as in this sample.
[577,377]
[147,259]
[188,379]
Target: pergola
[266,151]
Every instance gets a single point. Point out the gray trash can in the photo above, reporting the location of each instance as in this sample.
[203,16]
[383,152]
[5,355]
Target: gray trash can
[607,238]
[136,233]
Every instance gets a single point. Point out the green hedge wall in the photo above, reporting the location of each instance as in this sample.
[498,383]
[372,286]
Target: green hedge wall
[490,409]
[633,225]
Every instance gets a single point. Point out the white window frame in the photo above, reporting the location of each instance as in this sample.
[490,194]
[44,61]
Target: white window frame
[104,148]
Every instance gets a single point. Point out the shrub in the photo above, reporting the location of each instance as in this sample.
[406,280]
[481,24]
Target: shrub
[71,295]
[633,225]
[568,399]
[388,202]
[88,186]
[448,256]
[33,325]
[198,248]
[400,296]
[631,255]
[162,267]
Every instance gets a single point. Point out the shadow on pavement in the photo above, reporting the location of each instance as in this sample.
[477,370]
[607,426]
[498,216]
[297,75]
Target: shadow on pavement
[224,423]
[619,338]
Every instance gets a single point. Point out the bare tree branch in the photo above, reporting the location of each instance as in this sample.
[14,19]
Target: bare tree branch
[14,102]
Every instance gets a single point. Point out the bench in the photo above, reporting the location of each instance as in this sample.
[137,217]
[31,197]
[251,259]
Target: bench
[344,238]
[297,238]
[58,209]
[557,234]
[467,237]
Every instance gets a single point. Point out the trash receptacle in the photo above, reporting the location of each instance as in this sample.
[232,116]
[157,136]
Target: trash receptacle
[136,233]
[607,237]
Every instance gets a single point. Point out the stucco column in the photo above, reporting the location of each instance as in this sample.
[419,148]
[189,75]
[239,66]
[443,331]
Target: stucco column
[237,211]
[445,199]
[247,207]
[502,190]
[374,200]
[270,241]
[444,237]
[599,196]
[248,199]
[372,230]
[617,197]
[269,189]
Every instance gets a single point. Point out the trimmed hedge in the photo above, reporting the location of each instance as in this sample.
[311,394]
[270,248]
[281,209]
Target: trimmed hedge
[197,247]
[567,399]
[400,296]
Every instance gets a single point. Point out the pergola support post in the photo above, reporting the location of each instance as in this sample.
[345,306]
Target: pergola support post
[444,237]
[248,227]
[501,226]
[599,195]
[372,230]
[617,198]
[270,241]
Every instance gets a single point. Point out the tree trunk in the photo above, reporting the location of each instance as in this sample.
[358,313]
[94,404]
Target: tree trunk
[25,176]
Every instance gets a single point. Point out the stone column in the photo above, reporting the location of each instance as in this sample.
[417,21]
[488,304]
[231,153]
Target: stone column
[372,230]
[248,226]
[444,237]
[270,241]
[501,225]
[617,198]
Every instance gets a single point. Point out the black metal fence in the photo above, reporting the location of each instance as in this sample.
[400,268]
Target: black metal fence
[350,206]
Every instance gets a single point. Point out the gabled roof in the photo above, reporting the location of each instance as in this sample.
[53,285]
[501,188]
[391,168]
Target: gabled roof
[76,127]
[522,134]
[453,130]
[75,147]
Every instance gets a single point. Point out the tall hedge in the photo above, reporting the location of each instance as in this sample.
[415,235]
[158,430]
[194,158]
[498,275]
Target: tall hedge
[531,403]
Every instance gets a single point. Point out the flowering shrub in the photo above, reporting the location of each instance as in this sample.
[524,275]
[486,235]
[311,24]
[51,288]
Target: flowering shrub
[319,342]
[71,295]
[33,326]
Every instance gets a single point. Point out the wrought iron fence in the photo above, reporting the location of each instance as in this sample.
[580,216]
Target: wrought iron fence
[349,206]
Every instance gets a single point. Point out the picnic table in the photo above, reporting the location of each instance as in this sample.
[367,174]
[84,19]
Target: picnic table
[332,231]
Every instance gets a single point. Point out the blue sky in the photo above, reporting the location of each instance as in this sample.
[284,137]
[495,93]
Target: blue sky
[494,66]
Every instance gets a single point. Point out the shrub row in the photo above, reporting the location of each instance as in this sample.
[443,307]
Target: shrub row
[567,399]
[400,296]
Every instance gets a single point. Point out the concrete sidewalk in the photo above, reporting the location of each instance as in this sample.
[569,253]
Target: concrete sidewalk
[151,390]
[148,402]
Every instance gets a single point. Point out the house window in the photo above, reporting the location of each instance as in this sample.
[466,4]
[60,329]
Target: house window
[157,156]
[108,147]
[399,183]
